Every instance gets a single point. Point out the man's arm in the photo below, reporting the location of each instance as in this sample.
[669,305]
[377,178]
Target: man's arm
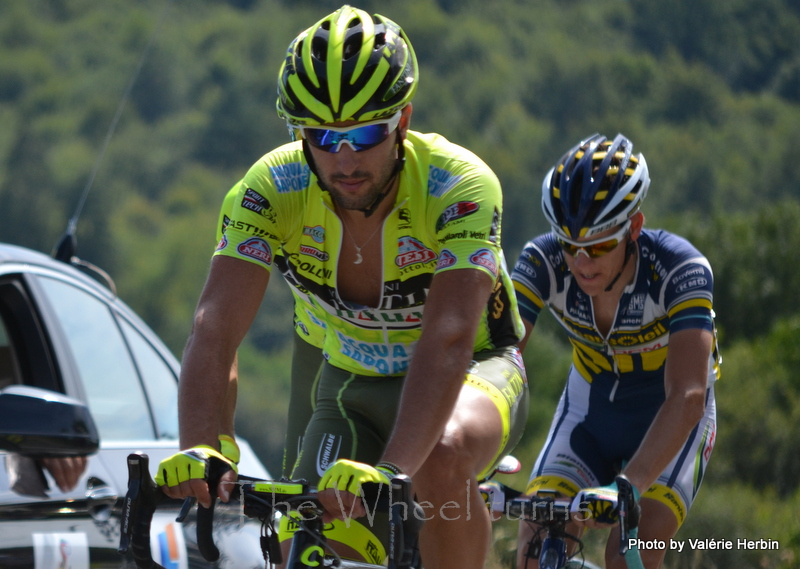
[228,304]
[524,342]
[685,380]
[453,311]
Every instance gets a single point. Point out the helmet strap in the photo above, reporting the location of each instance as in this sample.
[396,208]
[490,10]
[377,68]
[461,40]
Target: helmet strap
[398,167]
[630,249]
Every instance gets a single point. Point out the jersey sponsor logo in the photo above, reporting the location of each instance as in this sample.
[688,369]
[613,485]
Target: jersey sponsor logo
[688,273]
[222,243]
[441,181]
[525,268]
[250,228]
[466,234]
[412,252]
[225,221]
[456,211]
[659,271]
[257,203]
[404,215]
[257,249]
[413,291]
[644,336]
[386,359]
[312,269]
[635,306]
[317,233]
[314,252]
[328,452]
[293,177]
[692,283]
[486,259]
[316,320]
[446,259]
[400,318]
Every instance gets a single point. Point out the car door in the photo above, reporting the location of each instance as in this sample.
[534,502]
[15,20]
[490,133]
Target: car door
[41,526]
[68,334]
[64,333]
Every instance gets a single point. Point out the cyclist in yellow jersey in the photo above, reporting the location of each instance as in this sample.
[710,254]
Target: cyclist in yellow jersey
[395,235]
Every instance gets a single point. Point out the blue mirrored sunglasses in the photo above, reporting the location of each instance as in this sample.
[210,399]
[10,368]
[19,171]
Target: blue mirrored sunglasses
[359,137]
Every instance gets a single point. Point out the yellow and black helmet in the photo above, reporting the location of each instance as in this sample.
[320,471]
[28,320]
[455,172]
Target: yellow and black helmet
[347,66]
[595,186]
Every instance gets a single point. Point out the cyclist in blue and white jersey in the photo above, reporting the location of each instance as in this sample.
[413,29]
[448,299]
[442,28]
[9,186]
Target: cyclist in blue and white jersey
[636,305]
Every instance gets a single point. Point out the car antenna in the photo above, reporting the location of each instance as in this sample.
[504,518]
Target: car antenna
[67,244]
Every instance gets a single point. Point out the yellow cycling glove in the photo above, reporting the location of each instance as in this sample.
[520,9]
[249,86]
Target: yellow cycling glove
[348,476]
[187,465]
[229,448]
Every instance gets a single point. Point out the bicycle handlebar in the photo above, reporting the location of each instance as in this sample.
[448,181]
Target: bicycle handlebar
[555,512]
[144,496]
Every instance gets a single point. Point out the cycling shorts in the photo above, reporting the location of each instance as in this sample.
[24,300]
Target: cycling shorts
[583,452]
[307,363]
[355,414]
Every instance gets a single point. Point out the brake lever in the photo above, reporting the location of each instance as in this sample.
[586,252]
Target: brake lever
[140,503]
[185,508]
[628,511]
[205,516]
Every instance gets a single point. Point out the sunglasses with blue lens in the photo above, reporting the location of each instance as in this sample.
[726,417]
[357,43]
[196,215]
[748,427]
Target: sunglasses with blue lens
[358,137]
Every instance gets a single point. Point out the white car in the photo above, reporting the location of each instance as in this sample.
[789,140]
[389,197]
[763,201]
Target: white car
[80,373]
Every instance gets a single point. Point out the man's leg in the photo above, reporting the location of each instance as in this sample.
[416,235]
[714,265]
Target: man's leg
[485,425]
[457,530]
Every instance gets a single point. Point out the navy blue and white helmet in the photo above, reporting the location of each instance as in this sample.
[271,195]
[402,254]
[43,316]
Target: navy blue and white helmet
[595,186]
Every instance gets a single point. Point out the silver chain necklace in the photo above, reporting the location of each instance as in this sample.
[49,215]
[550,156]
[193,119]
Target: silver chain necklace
[359,258]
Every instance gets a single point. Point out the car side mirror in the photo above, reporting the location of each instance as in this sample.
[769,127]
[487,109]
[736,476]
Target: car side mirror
[39,423]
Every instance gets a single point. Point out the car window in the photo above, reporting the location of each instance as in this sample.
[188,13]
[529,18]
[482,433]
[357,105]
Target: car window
[8,366]
[159,380]
[108,374]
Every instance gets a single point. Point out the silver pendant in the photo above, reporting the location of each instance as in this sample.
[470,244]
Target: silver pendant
[358,259]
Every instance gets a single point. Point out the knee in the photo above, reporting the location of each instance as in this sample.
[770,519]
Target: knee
[449,465]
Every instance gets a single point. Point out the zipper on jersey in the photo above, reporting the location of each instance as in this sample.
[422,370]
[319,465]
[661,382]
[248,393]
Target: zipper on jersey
[609,349]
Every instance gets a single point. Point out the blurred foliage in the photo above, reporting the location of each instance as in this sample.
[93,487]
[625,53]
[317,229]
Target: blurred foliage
[709,91]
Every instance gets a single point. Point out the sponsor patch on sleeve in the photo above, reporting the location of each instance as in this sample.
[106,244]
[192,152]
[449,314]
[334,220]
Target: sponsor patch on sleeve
[257,249]
[446,259]
[485,258]
[222,243]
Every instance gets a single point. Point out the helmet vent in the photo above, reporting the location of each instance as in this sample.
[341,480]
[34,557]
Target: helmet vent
[352,45]
[319,48]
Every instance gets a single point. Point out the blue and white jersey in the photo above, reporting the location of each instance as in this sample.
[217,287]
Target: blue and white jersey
[671,291]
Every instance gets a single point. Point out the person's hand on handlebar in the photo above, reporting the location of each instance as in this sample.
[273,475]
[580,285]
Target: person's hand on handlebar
[339,488]
[598,507]
[185,474]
